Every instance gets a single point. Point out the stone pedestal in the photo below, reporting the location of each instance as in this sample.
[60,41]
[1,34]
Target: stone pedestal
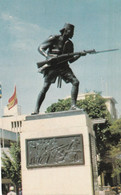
[58,154]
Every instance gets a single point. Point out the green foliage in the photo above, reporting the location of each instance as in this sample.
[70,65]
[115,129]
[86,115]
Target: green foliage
[94,105]
[116,127]
[115,150]
[115,153]
[116,168]
[61,105]
[12,164]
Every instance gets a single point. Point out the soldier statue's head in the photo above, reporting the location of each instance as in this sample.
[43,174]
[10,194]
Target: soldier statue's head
[68,30]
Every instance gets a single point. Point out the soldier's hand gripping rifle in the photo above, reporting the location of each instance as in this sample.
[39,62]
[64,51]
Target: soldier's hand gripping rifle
[66,57]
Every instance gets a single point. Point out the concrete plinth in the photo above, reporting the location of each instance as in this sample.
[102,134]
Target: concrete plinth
[78,177]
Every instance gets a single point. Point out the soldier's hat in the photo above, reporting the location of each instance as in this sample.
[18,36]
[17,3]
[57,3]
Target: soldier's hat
[67,26]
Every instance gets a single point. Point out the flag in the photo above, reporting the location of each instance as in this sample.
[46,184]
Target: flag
[0,91]
[13,100]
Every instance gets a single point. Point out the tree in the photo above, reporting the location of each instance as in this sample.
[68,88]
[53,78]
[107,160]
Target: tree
[61,105]
[94,105]
[115,151]
[12,164]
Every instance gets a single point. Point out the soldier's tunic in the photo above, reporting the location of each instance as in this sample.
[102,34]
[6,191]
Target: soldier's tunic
[55,45]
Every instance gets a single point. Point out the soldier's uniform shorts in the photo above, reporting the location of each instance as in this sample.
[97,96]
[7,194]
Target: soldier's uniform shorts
[65,74]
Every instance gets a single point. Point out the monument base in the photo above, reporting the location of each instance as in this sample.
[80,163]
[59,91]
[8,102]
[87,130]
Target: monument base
[58,155]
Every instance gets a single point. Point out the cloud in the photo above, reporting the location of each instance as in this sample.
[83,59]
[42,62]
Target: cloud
[25,34]
[6,17]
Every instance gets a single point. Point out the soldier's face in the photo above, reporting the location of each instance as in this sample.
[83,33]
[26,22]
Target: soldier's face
[69,32]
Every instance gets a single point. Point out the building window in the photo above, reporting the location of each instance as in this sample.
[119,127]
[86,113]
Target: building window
[12,125]
[16,125]
[20,123]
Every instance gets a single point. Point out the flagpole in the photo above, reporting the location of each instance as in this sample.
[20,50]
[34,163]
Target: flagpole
[11,103]
[16,115]
[17,123]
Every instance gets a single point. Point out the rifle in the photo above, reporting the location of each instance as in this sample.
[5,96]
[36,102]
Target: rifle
[66,57]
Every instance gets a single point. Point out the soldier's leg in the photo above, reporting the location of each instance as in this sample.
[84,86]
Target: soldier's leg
[41,97]
[74,91]
[69,77]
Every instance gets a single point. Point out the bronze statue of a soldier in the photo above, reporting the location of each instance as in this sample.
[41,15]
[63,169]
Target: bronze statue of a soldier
[55,46]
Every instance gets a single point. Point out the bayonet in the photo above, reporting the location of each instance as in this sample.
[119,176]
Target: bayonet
[109,50]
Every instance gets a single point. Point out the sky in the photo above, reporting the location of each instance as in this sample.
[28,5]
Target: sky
[26,24]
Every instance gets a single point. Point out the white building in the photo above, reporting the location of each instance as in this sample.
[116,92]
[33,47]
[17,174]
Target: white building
[12,119]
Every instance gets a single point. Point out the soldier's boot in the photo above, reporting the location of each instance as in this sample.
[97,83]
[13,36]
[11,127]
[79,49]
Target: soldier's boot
[41,98]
